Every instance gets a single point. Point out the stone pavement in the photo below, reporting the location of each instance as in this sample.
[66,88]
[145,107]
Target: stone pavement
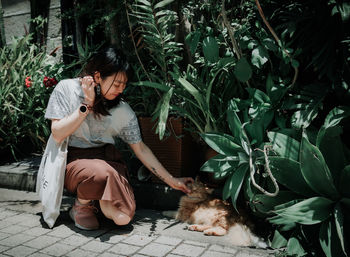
[23,233]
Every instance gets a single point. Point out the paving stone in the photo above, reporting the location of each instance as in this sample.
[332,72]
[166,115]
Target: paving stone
[81,253]
[18,218]
[216,254]
[139,240]
[7,213]
[196,243]
[112,238]
[16,240]
[38,254]
[61,231]
[3,248]
[20,251]
[188,250]
[42,242]
[168,240]
[114,255]
[248,254]
[4,235]
[58,249]
[76,240]
[124,249]
[4,224]
[32,222]
[36,231]
[96,246]
[221,248]
[154,249]
[13,229]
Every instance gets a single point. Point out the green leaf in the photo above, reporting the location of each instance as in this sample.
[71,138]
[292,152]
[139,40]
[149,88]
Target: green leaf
[266,204]
[193,91]
[287,172]
[336,115]
[339,224]
[330,144]
[164,112]
[221,143]
[211,49]
[152,84]
[195,36]
[310,211]
[278,240]
[315,170]
[163,3]
[243,71]
[259,57]
[303,118]
[284,145]
[237,179]
[220,163]
[344,182]
[294,247]
[329,239]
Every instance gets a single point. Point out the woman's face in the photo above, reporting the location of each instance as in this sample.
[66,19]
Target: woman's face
[113,85]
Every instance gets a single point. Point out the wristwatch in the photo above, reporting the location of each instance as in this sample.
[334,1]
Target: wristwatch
[84,108]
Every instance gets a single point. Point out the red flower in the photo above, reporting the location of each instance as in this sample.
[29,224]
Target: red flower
[49,82]
[28,82]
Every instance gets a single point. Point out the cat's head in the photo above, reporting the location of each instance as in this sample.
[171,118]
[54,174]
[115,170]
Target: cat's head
[199,191]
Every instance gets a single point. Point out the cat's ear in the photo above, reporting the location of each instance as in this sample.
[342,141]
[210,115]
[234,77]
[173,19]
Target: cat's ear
[196,179]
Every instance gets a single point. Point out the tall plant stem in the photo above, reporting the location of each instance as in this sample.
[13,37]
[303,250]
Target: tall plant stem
[227,24]
[296,71]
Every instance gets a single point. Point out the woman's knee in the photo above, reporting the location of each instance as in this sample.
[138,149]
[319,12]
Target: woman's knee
[120,218]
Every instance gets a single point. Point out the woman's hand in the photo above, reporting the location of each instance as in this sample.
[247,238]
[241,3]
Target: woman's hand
[88,86]
[180,184]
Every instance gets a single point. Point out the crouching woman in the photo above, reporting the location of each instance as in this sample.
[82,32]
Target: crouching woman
[91,112]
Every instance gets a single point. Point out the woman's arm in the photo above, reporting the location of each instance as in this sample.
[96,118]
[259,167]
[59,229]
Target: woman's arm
[146,156]
[62,128]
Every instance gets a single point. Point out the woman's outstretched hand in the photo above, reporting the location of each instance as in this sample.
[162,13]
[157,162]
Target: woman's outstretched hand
[180,184]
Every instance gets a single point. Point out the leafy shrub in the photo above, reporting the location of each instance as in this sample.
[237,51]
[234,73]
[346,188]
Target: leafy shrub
[27,76]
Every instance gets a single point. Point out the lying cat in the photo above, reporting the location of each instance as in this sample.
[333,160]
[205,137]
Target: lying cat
[214,217]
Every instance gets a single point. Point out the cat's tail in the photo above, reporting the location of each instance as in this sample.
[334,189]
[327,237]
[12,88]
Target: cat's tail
[241,235]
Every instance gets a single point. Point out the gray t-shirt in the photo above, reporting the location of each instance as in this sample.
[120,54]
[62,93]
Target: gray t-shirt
[93,132]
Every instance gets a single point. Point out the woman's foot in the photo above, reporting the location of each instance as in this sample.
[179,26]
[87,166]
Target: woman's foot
[84,216]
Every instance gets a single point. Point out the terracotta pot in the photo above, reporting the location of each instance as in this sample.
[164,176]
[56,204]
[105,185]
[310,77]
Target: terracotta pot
[177,152]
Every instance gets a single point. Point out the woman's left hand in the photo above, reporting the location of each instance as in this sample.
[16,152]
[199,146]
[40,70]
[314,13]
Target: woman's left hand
[180,184]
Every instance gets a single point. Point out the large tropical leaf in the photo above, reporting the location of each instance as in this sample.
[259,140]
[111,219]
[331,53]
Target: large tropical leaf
[284,145]
[329,239]
[221,143]
[344,182]
[294,248]
[266,204]
[243,71]
[339,224]
[220,163]
[287,172]
[211,49]
[310,211]
[235,183]
[164,105]
[278,240]
[315,170]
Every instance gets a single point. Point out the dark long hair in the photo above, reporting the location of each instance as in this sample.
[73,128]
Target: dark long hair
[108,61]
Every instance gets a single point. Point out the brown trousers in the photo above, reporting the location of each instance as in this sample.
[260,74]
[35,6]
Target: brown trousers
[100,174]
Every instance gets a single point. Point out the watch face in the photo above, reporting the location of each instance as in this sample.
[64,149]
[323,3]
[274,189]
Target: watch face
[83,108]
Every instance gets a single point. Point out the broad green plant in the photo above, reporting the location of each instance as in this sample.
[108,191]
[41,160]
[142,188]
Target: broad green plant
[315,200]
[24,93]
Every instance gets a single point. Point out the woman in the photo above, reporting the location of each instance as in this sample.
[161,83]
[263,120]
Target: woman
[96,115]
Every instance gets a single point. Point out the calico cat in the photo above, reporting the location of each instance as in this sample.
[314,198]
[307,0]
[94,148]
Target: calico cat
[214,217]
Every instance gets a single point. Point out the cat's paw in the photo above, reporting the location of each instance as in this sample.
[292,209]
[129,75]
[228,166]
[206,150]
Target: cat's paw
[196,227]
[216,231]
